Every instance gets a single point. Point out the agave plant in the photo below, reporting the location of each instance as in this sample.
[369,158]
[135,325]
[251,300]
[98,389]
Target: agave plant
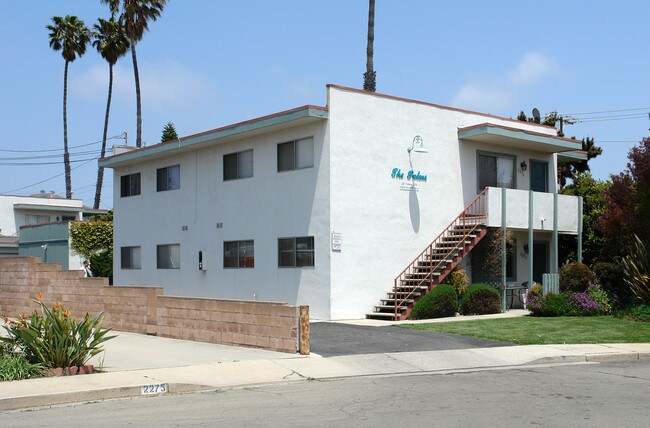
[636,270]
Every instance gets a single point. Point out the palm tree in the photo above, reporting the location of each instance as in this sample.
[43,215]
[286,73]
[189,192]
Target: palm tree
[135,16]
[370,76]
[70,36]
[111,42]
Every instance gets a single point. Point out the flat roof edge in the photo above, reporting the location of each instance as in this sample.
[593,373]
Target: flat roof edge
[279,118]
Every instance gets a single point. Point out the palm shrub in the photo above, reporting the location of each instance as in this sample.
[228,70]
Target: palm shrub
[576,277]
[440,302]
[636,271]
[480,299]
[54,339]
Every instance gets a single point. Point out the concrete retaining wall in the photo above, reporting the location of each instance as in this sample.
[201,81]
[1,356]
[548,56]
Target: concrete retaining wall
[268,325]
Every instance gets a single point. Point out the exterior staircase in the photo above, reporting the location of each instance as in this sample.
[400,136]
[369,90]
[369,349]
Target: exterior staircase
[432,265]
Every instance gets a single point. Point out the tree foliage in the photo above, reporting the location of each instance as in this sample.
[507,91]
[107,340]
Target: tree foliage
[169,133]
[88,238]
[627,203]
[593,205]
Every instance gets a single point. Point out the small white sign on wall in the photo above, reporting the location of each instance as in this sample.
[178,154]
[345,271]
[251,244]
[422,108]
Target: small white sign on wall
[409,186]
[336,242]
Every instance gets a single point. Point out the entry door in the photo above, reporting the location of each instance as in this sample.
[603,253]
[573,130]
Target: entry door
[538,176]
[540,260]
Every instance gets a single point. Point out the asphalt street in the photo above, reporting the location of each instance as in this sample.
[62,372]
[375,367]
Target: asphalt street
[334,339]
[576,395]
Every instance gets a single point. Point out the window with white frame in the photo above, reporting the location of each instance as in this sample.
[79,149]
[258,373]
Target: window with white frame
[168,256]
[495,170]
[168,178]
[238,165]
[239,254]
[130,257]
[298,154]
[130,185]
[296,252]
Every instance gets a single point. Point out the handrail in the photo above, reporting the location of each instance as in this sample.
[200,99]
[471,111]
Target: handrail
[475,210]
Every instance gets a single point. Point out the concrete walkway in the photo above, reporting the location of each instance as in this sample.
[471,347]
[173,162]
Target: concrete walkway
[133,361]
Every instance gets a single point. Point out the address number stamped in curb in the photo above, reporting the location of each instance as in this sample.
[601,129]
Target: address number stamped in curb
[160,388]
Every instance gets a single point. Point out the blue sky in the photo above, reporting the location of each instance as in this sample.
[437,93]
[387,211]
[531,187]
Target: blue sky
[208,63]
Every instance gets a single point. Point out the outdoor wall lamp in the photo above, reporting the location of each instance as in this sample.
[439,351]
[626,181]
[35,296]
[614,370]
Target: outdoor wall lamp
[523,166]
[417,146]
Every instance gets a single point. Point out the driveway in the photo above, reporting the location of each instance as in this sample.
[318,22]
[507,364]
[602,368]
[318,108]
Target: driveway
[333,339]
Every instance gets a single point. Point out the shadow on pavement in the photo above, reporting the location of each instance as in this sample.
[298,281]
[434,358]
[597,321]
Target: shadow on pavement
[335,339]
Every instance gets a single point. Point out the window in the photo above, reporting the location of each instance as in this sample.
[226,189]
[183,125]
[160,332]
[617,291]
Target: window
[168,256]
[168,178]
[130,257]
[37,219]
[496,171]
[296,252]
[238,165]
[296,154]
[239,254]
[130,185]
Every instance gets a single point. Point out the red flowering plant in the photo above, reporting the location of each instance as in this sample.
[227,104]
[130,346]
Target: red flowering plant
[54,339]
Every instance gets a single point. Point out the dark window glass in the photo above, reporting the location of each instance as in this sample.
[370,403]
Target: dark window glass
[130,185]
[296,252]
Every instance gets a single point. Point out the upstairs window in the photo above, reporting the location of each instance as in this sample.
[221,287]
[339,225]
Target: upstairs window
[168,178]
[130,185]
[238,165]
[239,254]
[298,154]
[296,252]
[495,170]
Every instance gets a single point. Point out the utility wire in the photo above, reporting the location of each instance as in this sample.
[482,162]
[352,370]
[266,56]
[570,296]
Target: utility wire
[121,136]
[607,111]
[47,179]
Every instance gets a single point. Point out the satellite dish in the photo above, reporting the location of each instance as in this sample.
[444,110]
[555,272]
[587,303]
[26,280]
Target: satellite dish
[536,116]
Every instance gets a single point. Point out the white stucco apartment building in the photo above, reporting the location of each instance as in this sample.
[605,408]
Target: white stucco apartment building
[325,206]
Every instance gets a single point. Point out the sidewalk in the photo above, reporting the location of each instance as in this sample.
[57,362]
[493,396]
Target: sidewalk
[134,361]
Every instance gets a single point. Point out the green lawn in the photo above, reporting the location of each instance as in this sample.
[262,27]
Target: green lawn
[533,330]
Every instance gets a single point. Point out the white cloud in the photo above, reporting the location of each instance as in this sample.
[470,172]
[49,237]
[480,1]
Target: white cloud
[532,68]
[496,93]
[163,84]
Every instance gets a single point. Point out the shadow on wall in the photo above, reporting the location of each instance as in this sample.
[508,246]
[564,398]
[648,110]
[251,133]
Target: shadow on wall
[414,210]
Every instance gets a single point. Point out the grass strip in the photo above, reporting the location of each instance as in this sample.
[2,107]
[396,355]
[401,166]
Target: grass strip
[530,330]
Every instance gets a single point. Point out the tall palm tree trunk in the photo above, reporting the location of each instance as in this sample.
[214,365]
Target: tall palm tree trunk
[100,170]
[370,76]
[138,135]
[66,153]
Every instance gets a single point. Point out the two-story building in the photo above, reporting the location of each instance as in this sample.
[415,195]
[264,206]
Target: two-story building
[329,206]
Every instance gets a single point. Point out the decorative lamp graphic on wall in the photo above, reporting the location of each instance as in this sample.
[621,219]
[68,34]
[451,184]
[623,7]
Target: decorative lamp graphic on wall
[417,146]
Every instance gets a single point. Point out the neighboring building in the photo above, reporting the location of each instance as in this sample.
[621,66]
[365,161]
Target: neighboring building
[49,240]
[325,206]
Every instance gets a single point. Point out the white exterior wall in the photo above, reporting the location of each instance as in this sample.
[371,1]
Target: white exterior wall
[11,220]
[263,208]
[384,228]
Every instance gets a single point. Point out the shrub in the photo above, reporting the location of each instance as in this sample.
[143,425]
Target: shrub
[55,339]
[553,305]
[576,277]
[534,298]
[459,280]
[440,302]
[640,313]
[102,265]
[609,277]
[16,367]
[481,299]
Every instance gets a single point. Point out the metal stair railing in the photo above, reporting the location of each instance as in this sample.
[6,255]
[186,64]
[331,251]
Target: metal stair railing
[473,216]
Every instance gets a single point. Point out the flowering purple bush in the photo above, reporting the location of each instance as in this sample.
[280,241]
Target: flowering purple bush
[593,301]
